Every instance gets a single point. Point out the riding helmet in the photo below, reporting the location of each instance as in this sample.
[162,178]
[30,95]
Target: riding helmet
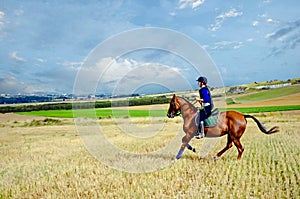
[202,79]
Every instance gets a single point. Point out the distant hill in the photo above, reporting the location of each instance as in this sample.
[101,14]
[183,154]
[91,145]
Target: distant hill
[286,95]
[270,93]
[255,86]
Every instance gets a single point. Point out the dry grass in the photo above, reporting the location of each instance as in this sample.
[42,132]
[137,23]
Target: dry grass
[51,162]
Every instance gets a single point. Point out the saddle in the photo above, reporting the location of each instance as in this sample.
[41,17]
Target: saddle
[211,121]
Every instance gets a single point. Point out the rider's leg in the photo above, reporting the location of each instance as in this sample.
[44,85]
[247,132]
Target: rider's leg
[202,129]
[200,133]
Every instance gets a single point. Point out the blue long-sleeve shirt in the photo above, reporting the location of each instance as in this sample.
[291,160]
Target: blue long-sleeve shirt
[207,100]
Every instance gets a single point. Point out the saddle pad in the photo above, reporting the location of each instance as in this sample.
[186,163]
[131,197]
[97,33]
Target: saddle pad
[212,120]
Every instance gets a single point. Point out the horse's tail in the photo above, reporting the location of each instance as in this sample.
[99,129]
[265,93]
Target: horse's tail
[261,126]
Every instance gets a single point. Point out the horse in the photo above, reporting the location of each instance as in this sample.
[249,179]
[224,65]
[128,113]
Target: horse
[230,122]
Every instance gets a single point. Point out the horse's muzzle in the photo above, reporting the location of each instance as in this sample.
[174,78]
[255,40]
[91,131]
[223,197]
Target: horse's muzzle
[170,115]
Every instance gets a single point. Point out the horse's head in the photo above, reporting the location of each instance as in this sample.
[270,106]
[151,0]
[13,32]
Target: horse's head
[174,108]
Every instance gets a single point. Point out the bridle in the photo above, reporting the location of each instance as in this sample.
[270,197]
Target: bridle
[175,112]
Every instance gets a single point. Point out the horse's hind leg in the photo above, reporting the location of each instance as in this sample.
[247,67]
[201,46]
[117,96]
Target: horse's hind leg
[239,146]
[228,146]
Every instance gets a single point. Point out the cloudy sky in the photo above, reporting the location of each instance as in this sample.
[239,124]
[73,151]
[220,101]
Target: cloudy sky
[44,44]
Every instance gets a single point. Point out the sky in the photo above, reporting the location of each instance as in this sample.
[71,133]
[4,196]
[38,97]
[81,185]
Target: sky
[46,46]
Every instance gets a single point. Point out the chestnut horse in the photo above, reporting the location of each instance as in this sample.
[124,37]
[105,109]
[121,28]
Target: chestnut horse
[231,123]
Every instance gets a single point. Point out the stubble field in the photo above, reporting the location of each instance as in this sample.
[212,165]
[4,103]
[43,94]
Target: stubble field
[45,158]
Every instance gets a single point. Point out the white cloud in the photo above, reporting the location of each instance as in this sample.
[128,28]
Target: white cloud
[220,18]
[190,3]
[150,74]
[267,1]
[88,76]
[272,21]
[237,46]
[172,13]
[10,85]
[2,14]
[263,15]
[14,56]
[197,3]
[250,40]
[40,60]
[285,38]
[72,65]
[1,25]
[231,13]
[216,26]
[205,46]
[227,45]
[269,35]
[264,18]
[255,23]
[116,70]
[125,76]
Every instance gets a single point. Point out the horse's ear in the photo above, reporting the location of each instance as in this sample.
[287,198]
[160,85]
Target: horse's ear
[174,96]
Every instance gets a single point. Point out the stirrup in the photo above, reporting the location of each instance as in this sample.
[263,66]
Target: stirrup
[199,135]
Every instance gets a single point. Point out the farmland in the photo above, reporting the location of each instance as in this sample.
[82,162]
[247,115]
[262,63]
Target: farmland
[47,157]
[50,161]
[106,113]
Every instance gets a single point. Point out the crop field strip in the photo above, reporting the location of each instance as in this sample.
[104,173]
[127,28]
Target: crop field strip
[105,113]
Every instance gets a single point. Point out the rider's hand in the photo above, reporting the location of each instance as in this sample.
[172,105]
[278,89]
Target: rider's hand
[199,100]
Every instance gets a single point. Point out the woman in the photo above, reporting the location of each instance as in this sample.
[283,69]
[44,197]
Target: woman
[206,103]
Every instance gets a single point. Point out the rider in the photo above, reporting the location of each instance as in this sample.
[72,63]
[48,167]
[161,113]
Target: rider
[207,105]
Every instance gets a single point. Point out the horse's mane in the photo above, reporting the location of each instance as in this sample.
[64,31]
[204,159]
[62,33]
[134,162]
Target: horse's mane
[190,104]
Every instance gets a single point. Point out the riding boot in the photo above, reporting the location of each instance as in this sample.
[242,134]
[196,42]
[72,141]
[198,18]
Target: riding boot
[200,133]
[202,129]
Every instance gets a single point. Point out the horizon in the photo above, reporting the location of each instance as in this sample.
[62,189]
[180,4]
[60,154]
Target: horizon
[269,82]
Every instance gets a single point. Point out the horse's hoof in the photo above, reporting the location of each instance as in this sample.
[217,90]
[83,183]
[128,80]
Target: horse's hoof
[215,158]
[194,150]
[178,156]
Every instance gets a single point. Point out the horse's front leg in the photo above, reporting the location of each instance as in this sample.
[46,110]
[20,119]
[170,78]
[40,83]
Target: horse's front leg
[185,140]
[191,148]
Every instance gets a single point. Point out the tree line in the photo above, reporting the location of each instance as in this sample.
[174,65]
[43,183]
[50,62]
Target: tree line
[136,101]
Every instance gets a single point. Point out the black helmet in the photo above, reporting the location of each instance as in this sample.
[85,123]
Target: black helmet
[202,79]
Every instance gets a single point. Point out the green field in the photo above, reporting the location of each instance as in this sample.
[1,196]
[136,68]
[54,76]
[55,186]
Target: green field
[269,94]
[92,113]
[254,95]
[107,113]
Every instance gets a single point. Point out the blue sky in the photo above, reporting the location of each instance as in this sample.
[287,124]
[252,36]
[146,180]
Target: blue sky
[44,43]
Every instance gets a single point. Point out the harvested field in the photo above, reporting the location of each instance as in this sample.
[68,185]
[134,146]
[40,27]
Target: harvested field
[50,161]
